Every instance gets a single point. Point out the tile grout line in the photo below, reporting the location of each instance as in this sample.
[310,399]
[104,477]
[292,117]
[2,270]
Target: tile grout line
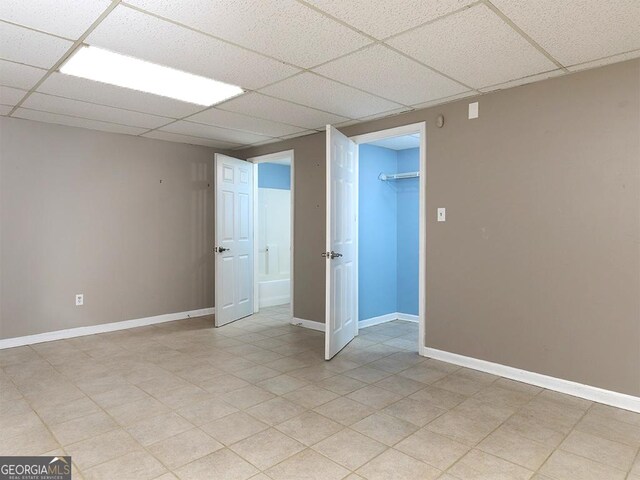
[163,333]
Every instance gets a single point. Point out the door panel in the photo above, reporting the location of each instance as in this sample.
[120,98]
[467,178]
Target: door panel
[341,290]
[234,239]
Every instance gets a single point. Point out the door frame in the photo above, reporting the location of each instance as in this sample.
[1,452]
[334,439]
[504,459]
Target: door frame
[266,159]
[420,128]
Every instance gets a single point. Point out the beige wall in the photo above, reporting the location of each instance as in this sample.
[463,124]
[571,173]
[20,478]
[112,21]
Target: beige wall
[85,212]
[538,264]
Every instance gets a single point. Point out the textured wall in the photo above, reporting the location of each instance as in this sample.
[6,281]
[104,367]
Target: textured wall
[538,264]
[85,212]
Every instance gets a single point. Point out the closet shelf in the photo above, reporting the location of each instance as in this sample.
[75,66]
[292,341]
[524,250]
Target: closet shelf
[397,176]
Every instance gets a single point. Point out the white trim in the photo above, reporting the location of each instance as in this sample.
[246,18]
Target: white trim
[409,129]
[327,244]
[275,301]
[388,317]
[608,397]
[102,328]
[421,128]
[370,322]
[313,325]
[256,260]
[256,161]
[407,317]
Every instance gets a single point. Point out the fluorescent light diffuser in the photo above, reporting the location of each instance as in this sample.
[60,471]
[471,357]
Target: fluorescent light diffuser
[104,66]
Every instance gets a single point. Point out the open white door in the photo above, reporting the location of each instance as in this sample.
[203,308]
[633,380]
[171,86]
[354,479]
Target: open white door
[341,290]
[234,239]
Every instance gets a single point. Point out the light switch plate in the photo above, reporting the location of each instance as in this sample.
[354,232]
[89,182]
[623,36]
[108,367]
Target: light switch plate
[473,110]
[442,214]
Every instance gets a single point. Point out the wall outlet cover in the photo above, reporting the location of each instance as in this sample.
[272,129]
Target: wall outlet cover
[473,110]
[79,299]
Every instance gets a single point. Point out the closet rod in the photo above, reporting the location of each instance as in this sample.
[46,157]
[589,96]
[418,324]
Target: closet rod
[397,176]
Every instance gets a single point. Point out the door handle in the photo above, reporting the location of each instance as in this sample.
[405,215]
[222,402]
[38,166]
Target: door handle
[331,254]
[221,249]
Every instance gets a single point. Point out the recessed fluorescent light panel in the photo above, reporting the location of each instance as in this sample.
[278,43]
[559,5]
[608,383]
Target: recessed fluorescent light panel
[104,66]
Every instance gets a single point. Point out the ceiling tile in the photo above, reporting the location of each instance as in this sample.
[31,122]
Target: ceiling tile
[576,32]
[524,81]
[281,111]
[18,75]
[388,113]
[476,47]
[257,144]
[11,96]
[76,122]
[68,18]
[314,91]
[286,29]
[389,74]
[5,109]
[102,93]
[383,18]
[300,134]
[441,101]
[213,133]
[33,48]
[175,137]
[238,121]
[605,61]
[76,108]
[140,35]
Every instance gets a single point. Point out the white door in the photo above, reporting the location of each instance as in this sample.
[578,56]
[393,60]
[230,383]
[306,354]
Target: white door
[341,290]
[234,239]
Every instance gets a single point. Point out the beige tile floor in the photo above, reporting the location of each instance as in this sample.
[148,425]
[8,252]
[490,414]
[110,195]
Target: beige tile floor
[255,399]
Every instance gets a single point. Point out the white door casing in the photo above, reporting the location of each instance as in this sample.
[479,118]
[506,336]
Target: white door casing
[233,239]
[341,317]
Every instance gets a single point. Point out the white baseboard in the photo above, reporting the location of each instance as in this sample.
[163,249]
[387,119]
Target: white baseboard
[274,301]
[388,317]
[301,322]
[370,322]
[102,328]
[615,399]
[408,317]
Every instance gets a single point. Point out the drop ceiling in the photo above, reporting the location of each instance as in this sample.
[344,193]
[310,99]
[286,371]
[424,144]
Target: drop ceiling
[302,63]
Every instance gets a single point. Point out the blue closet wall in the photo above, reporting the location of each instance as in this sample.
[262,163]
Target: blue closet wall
[274,175]
[388,233]
[377,233]
[408,232]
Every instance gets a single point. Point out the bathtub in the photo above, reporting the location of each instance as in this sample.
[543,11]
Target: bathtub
[274,291]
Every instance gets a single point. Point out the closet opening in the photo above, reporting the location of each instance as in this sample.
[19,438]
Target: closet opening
[391,235]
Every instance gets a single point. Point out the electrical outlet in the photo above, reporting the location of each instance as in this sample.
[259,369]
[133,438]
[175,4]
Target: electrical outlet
[79,299]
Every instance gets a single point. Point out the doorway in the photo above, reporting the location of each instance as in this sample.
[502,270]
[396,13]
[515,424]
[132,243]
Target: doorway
[361,237]
[273,232]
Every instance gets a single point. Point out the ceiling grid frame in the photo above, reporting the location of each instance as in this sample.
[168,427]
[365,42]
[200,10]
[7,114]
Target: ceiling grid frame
[372,41]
